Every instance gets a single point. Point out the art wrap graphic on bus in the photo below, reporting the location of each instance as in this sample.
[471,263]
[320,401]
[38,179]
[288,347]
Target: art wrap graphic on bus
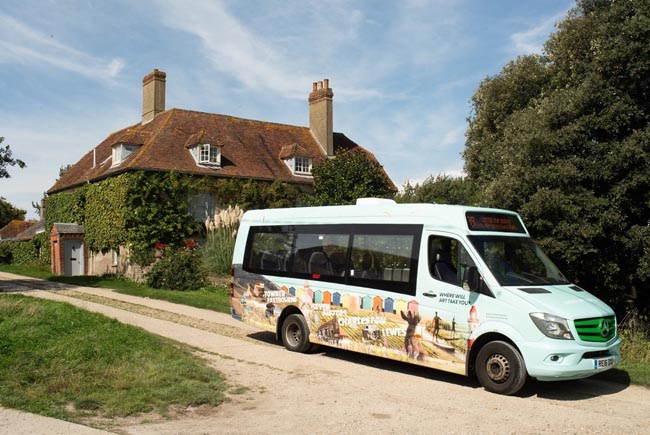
[388,327]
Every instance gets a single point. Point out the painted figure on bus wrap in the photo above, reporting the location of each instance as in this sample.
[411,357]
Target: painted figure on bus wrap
[411,342]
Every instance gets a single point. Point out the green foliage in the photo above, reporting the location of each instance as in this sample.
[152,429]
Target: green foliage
[105,212]
[442,189]
[23,252]
[350,175]
[6,254]
[156,211]
[250,194]
[32,251]
[179,269]
[565,140]
[65,207]
[60,361]
[9,213]
[6,159]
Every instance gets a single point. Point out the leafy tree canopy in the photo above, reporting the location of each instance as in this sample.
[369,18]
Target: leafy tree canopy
[9,213]
[348,176]
[442,189]
[564,138]
[7,160]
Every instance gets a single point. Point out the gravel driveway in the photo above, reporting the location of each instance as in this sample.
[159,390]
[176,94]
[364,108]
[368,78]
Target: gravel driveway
[333,391]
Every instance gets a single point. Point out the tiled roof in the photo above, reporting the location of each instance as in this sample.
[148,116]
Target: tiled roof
[31,231]
[249,148]
[13,228]
[294,150]
[63,228]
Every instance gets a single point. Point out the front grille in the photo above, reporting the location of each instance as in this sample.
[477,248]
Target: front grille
[597,329]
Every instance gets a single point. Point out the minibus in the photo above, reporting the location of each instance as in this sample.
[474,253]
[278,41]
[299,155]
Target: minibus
[455,288]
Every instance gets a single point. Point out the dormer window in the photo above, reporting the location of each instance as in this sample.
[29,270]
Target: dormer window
[302,165]
[209,155]
[121,152]
[297,159]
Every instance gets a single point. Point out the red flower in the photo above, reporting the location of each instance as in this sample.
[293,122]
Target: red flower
[160,246]
[191,243]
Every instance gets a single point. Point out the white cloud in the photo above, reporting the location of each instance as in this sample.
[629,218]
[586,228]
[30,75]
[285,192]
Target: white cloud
[20,43]
[532,41]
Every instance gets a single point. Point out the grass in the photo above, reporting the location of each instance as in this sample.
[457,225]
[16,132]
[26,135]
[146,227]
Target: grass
[212,297]
[64,362]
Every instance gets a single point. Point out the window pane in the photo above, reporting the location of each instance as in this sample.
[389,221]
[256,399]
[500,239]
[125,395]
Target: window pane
[303,165]
[448,260]
[321,255]
[382,257]
[270,252]
[214,154]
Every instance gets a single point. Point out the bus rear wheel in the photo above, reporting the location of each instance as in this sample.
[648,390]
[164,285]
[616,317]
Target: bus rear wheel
[295,333]
[500,368]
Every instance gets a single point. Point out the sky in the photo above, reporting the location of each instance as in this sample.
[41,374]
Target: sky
[403,72]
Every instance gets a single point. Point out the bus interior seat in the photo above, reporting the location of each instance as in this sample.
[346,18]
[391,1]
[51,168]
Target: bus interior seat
[269,261]
[319,263]
[443,269]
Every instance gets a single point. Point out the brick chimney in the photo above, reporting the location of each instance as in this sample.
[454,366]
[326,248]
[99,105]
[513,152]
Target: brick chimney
[321,115]
[153,95]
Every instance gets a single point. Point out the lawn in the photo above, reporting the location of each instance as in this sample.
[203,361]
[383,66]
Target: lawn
[64,362]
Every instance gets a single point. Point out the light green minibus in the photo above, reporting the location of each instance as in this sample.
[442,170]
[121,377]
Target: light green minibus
[454,288]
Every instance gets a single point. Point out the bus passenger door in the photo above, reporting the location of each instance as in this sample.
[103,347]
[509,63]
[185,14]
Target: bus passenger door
[447,312]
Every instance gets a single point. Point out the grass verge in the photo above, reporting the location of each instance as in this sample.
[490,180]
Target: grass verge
[212,297]
[60,361]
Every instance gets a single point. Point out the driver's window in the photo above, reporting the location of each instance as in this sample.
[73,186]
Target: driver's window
[448,260]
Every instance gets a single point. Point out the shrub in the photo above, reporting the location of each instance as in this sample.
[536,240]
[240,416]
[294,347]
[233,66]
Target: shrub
[179,269]
[220,241]
[6,255]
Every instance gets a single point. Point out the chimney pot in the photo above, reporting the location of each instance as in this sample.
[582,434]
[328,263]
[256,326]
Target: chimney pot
[320,84]
[326,83]
[314,86]
[153,95]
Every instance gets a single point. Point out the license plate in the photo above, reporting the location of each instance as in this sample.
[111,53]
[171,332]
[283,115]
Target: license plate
[603,363]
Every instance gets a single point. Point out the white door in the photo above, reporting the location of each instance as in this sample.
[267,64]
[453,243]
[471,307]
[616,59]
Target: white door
[74,257]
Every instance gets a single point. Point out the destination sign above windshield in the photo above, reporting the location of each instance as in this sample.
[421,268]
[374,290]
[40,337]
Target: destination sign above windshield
[505,223]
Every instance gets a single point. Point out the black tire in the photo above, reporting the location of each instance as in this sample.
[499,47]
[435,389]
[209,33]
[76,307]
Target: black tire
[295,333]
[500,368]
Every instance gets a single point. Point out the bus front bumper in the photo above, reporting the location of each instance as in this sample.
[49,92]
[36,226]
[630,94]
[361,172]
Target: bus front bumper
[555,360]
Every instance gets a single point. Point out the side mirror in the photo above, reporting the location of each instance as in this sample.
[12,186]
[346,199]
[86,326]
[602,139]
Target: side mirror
[473,281]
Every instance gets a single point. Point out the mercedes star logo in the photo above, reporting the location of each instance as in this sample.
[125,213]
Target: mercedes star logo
[605,328]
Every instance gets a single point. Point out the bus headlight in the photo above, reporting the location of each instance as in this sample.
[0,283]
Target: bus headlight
[552,326]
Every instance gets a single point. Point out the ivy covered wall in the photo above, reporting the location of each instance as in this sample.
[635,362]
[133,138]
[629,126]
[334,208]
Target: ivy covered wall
[139,209]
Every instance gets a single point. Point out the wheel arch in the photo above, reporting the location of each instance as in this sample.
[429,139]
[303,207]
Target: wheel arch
[289,310]
[470,365]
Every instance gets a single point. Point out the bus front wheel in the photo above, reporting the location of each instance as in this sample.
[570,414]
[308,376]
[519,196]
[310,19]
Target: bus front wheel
[500,368]
[295,333]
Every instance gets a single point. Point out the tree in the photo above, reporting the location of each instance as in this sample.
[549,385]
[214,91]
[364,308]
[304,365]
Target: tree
[565,140]
[6,160]
[9,213]
[350,175]
[442,189]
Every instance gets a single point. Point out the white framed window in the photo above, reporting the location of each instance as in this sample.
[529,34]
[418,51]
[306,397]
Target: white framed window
[302,165]
[209,155]
[121,152]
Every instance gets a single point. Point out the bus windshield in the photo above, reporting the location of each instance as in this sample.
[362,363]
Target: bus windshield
[517,261]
